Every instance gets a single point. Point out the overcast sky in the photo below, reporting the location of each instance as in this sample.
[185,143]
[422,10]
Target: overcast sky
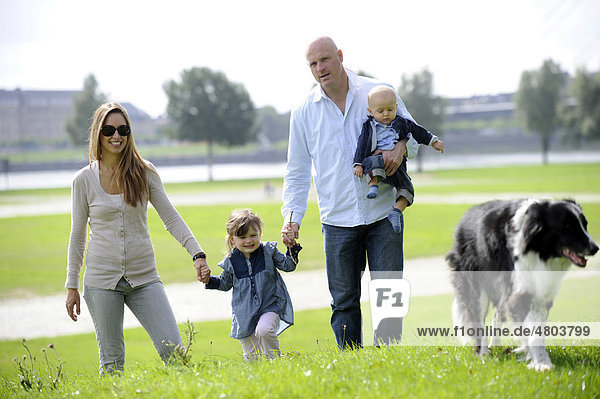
[134,46]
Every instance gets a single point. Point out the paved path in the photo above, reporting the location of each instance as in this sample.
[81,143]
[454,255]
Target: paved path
[24,206]
[47,317]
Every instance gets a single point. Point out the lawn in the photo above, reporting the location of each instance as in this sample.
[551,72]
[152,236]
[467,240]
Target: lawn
[23,239]
[312,367]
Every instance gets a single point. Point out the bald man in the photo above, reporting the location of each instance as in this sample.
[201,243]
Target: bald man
[324,133]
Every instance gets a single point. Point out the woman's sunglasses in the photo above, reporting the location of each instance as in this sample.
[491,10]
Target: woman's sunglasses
[108,130]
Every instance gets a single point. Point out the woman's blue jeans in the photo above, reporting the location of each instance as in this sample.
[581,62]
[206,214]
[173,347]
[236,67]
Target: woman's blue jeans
[346,252]
[149,304]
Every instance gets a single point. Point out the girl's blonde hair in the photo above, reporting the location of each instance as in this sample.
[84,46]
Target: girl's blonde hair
[238,224]
[130,173]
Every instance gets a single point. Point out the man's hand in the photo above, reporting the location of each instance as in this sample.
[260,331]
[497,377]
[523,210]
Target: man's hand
[393,158]
[358,171]
[438,145]
[73,303]
[289,233]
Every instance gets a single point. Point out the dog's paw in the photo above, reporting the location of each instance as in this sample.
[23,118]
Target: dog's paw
[484,351]
[540,366]
[540,360]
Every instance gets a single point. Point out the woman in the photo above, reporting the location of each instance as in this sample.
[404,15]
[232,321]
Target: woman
[111,194]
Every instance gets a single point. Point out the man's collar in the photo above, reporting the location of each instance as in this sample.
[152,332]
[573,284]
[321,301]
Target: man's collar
[318,93]
[353,82]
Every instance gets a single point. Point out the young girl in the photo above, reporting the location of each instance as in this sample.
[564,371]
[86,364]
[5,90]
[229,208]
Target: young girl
[261,305]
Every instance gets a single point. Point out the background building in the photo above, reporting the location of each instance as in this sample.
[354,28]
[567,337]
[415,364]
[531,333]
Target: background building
[39,117]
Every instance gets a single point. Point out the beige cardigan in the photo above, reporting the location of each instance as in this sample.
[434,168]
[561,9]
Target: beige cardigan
[119,240]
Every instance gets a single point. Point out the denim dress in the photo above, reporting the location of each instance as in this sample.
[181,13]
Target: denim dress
[258,287]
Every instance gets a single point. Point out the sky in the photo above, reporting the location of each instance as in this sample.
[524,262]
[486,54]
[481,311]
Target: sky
[134,46]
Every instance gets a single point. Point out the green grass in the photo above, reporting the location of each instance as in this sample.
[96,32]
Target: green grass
[567,179]
[33,261]
[313,367]
[33,250]
[577,301]
[419,372]
[24,241]
[12,197]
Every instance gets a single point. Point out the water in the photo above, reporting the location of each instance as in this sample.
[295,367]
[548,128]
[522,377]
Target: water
[168,174]
[241,171]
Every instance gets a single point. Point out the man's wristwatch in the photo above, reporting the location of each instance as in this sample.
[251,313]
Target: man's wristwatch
[199,255]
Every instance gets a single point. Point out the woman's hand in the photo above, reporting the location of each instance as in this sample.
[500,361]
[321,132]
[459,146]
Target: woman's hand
[73,303]
[202,270]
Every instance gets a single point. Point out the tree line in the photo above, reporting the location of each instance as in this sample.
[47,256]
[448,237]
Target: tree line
[203,105]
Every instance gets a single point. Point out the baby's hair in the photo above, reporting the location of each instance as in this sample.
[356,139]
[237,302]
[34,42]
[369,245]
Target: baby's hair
[238,224]
[381,90]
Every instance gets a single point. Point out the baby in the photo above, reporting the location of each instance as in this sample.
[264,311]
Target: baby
[381,131]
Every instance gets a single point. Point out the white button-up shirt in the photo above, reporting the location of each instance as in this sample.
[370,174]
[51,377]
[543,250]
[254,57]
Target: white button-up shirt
[322,144]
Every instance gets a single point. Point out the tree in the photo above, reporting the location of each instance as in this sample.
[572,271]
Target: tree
[206,106]
[271,125]
[426,108]
[538,102]
[85,104]
[586,93]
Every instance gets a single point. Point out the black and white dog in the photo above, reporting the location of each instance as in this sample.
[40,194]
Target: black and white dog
[514,255]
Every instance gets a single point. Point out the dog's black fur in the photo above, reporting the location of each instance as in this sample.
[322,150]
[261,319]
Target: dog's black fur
[515,254]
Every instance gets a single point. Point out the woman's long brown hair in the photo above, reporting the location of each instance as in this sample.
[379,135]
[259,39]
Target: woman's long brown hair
[130,173]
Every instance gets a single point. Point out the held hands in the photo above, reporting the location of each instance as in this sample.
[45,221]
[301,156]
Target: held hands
[289,233]
[202,270]
[73,303]
[438,145]
[358,171]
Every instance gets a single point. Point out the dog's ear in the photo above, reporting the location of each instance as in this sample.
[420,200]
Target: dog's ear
[572,201]
[533,223]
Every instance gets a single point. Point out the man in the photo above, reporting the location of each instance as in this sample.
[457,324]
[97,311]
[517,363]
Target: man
[324,132]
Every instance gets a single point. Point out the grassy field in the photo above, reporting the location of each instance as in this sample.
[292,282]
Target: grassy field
[312,361]
[22,239]
[312,367]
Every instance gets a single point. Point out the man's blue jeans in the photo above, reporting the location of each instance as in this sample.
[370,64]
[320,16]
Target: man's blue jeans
[148,303]
[346,252]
